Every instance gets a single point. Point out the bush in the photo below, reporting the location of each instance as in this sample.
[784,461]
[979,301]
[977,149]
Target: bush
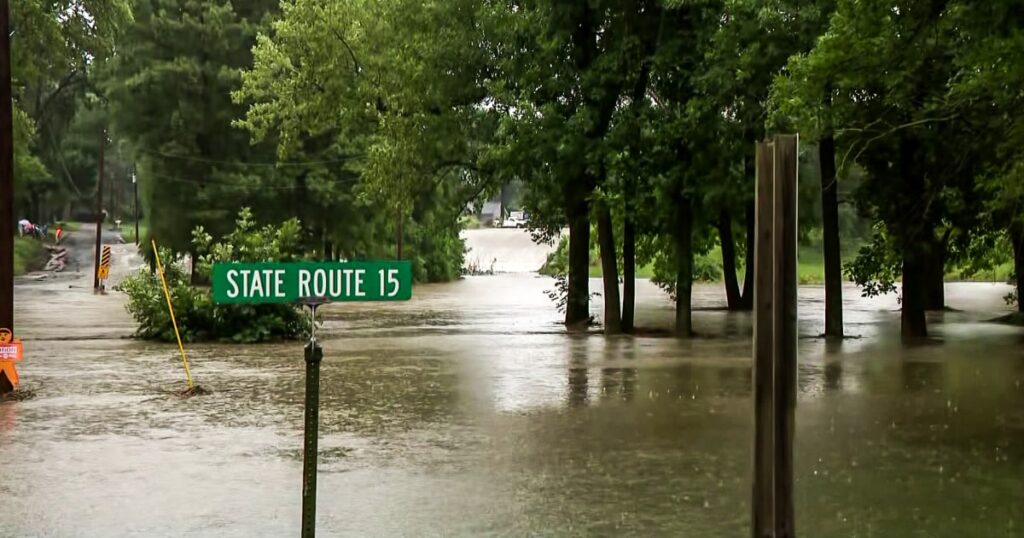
[557,263]
[28,255]
[198,317]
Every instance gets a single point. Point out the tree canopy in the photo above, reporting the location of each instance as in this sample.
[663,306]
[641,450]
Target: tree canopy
[632,123]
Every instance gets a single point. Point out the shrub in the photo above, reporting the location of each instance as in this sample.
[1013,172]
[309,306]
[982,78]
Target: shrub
[198,317]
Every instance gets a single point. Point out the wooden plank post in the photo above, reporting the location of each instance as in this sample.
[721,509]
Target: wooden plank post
[7,218]
[775,337]
[762,505]
[784,327]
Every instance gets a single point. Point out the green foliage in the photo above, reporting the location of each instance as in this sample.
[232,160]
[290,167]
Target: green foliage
[198,317]
[877,267]
[388,96]
[28,255]
[915,93]
[557,262]
[377,122]
[705,269]
[54,48]
[559,295]
[169,89]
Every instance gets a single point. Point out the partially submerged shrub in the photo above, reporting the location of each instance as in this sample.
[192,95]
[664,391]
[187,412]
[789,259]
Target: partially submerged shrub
[198,317]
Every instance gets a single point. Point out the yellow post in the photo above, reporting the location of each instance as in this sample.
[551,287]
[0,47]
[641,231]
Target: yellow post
[167,294]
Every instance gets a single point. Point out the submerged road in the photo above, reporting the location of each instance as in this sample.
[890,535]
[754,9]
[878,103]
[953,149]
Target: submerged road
[468,411]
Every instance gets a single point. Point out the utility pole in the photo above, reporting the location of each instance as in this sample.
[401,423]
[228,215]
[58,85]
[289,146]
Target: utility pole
[6,178]
[135,205]
[99,215]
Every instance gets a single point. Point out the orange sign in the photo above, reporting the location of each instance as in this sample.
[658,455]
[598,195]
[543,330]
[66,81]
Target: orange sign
[7,368]
[10,353]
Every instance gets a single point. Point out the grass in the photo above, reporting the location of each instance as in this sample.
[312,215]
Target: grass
[128,231]
[811,267]
[470,222]
[714,256]
[28,255]
[999,273]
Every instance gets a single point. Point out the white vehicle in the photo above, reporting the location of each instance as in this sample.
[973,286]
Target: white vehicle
[516,219]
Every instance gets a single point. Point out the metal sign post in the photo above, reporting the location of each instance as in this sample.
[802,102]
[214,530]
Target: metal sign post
[314,354]
[311,284]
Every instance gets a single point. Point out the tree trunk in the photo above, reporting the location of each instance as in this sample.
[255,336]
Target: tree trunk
[328,249]
[637,103]
[628,270]
[506,201]
[684,273]
[609,269]
[1018,265]
[935,294]
[732,285]
[34,211]
[400,235]
[747,294]
[577,305]
[193,273]
[830,231]
[747,298]
[912,319]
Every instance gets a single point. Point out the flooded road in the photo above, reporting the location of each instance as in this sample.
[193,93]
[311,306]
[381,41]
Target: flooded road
[469,412]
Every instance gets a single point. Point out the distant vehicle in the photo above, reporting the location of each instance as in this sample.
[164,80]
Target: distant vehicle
[516,219]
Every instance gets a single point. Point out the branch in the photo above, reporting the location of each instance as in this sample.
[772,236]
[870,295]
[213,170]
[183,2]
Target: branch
[355,62]
[63,165]
[69,80]
[889,132]
[454,163]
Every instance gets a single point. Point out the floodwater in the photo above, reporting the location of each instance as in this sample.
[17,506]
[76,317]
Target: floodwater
[469,412]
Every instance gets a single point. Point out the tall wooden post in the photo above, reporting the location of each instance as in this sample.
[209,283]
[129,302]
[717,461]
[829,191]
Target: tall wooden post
[775,338]
[784,327]
[762,505]
[6,185]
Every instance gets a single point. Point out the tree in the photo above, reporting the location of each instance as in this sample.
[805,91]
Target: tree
[684,153]
[168,89]
[560,86]
[989,62]
[396,92]
[56,47]
[885,68]
[750,46]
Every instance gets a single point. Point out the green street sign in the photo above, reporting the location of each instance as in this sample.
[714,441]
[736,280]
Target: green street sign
[250,283]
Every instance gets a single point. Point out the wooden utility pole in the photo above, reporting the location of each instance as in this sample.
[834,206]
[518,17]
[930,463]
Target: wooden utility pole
[99,215]
[135,205]
[775,338]
[6,184]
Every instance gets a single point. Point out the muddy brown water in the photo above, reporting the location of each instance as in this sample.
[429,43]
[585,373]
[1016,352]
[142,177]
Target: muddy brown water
[469,412]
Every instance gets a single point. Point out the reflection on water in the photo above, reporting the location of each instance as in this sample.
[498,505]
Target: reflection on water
[468,412]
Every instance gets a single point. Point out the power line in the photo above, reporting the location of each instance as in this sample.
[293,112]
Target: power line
[219,184]
[245,163]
